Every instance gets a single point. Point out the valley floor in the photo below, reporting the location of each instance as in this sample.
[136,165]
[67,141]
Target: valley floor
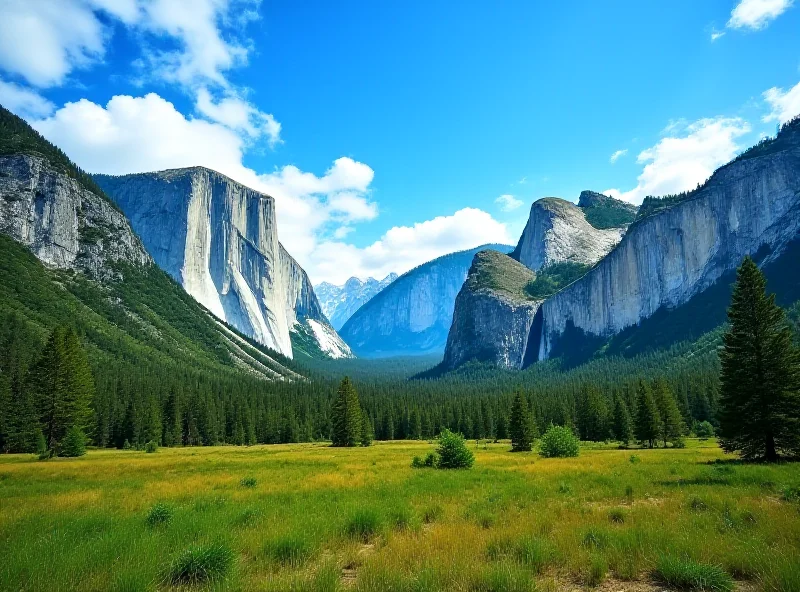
[311,517]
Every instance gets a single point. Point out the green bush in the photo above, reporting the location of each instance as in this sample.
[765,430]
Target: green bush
[159,514]
[73,444]
[559,441]
[704,429]
[151,447]
[616,515]
[201,563]
[453,452]
[684,574]
[248,482]
[364,525]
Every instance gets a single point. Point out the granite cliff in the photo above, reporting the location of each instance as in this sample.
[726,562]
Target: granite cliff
[219,240]
[413,314]
[340,302]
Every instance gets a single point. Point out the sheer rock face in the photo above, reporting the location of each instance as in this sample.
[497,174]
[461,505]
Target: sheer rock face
[340,302]
[557,231]
[413,314]
[65,225]
[219,240]
[492,320]
[748,206]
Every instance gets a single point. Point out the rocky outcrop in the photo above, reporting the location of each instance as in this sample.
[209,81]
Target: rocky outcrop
[412,315]
[340,302]
[219,240]
[749,206]
[557,231]
[493,316]
[64,224]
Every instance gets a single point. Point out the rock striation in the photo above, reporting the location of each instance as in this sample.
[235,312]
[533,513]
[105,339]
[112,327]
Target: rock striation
[340,302]
[557,231]
[219,240]
[64,224]
[493,316]
[750,206]
[413,314]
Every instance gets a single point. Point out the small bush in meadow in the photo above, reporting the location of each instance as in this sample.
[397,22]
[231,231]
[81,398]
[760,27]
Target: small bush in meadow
[292,549]
[248,482]
[431,459]
[596,571]
[679,442]
[685,574]
[453,452]
[698,505]
[73,444]
[635,460]
[201,563]
[559,442]
[159,514]
[364,525]
[417,463]
[151,447]
[616,515]
[704,430]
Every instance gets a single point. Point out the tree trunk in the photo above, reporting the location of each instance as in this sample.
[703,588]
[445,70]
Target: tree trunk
[771,453]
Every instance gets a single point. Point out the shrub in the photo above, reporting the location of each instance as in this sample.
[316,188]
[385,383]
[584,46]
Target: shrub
[685,574]
[364,525]
[616,515]
[679,442]
[417,463]
[248,482]
[159,514]
[559,441]
[635,459]
[704,429]
[698,505]
[453,452]
[151,447]
[126,445]
[431,459]
[201,563]
[292,549]
[73,444]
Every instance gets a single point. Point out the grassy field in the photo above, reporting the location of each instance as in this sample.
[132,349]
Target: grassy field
[311,517]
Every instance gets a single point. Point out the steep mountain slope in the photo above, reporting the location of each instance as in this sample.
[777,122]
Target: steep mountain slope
[75,260]
[340,302]
[749,206]
[219,240]
[558,231]
[493,313]
[412,316]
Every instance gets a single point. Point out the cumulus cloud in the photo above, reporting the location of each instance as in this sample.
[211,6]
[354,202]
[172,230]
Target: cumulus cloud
[617,155]
[680,162]
[784,105]
[404,247]
[508,202]
[757,14]
[239,115]
[23,101]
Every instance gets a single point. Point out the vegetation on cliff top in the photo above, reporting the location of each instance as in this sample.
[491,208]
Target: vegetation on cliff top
[552,278]
[500,273]
[605,212]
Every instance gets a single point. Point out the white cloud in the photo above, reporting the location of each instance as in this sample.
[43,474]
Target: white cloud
[508,202]
[716,35]
[757,14]
[404,247]
[24,102]
[679,163]
[617,155]
[784,104]
[239,115]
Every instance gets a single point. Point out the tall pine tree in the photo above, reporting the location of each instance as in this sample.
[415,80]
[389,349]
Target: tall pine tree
[521,425]
[622,423]
[671,420]
[648,419]
[346,416]
[760,376]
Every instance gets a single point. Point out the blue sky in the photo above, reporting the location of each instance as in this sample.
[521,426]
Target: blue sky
[392,133]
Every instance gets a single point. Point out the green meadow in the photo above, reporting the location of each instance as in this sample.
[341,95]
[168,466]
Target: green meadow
[310,517]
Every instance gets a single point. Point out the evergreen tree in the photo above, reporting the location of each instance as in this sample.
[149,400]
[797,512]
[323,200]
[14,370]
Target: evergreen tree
[346,415]
[367,431]
[73,443]
[592,415]
[520,427]
[760,376]
[415,425]
[671,420]
[172,420]
[622,424]
[502,427]
[648,420]
[22,422]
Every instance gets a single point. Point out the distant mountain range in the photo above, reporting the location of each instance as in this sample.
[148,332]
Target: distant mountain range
[412,315]
[340,302]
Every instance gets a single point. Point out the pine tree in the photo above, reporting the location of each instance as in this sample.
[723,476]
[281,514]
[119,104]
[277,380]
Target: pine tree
[592,415]
[415,425]
[648,420]
[520,426]
[346,415]
[623,428]
[502,427]
[671,420]
[367,431]
[760,376]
